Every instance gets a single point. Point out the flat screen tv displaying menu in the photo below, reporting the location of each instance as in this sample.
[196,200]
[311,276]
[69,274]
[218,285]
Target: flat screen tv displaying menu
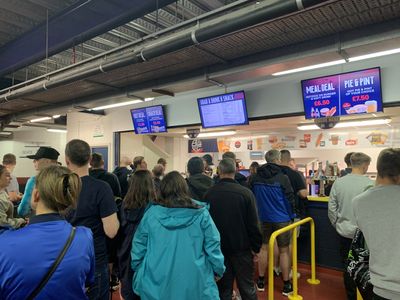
[357,92]
[223,110]
[149,119]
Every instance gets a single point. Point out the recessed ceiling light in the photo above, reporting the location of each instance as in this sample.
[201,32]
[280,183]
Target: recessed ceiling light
[345,124]
[213,134]
[116,105]
[40,119]
[312,67]
[56,130]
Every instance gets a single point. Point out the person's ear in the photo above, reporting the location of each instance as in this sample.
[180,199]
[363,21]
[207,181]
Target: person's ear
[35,198]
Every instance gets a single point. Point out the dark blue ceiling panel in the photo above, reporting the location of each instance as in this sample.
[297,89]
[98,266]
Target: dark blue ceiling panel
[78,23]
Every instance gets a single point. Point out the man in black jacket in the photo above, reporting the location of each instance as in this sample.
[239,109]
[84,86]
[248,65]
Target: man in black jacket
[198,182]
[123,172]
[275,202]
[97,171]
[240,178]
[233,210]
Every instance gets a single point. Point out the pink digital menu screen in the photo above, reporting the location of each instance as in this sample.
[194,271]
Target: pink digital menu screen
[357,92]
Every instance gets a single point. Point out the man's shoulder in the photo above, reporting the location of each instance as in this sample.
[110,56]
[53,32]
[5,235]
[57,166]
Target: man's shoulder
[93,184]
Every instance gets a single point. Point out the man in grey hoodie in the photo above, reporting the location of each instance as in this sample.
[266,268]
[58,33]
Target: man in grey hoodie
[198,182]
[340,210]
[377,212]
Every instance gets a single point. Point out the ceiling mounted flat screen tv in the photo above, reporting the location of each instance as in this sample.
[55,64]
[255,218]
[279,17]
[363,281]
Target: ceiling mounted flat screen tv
[350,93]
[149,120]
[223,110]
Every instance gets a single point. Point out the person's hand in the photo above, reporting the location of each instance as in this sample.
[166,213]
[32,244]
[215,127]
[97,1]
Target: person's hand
[216,278]
[255,256]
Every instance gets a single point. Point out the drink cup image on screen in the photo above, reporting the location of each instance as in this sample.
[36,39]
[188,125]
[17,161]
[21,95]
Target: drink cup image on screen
[372,106]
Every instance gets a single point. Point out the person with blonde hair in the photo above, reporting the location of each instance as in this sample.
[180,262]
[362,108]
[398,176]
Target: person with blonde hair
[6,206]
[61,257]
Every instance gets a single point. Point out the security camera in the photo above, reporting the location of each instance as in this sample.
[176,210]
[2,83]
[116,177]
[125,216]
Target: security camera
[193,133]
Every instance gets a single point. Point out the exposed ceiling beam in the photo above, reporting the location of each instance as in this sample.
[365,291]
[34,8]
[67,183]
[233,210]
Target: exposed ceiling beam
[25,9]
[53,5]
[16,20]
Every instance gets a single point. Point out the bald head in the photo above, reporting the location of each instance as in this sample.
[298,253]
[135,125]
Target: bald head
[125,161]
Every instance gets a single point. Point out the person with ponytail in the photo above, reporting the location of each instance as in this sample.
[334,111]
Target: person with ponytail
[28,255]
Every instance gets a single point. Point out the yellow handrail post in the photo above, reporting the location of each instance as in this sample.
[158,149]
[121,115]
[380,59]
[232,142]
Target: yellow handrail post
[294,296]
[313,280]
[271,265]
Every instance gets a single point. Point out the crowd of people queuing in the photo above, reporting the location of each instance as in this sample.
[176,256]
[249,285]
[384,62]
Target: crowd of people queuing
[79,232]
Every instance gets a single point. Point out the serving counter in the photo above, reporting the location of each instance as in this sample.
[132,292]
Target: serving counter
[327,243]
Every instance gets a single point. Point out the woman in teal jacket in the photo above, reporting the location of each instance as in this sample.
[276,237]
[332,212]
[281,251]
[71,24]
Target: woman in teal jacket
[176,249]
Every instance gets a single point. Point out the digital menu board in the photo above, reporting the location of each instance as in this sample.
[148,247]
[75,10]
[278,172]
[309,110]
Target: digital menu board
[223,110]
[349,93]
[149,119]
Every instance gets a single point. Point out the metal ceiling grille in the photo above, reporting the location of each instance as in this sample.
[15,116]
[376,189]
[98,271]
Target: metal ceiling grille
[20,16]
[331,18]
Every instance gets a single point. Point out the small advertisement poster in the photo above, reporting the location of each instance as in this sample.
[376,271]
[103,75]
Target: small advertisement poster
[350,93]
[202,146]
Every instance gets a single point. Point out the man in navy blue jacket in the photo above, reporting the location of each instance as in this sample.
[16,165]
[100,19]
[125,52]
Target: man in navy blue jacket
[275,202]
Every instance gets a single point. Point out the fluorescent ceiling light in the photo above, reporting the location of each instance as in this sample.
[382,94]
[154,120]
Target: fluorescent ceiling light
[56,130]
[376,54]
[308,127]
[346,124]
[312,67]
[117,104]
[56,116]
[213,134]
[40,119]
[363,123]
[5,133]
[149,99]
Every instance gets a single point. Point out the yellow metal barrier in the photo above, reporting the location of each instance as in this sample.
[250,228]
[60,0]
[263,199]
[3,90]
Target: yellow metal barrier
[313,279]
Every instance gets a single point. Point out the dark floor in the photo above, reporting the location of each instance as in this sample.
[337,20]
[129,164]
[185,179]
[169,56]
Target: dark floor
[330,288]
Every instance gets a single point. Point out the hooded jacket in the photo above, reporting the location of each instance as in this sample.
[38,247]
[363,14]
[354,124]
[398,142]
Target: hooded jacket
[129,219]
[198,185]
[175,254]
[274,194]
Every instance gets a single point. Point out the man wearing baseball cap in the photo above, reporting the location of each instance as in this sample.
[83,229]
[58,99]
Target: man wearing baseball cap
[44,157]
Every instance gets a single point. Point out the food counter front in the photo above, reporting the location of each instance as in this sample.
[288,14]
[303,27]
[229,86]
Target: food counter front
[327,243]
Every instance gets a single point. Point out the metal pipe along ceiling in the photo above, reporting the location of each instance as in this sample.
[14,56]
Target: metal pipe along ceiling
[224,25]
